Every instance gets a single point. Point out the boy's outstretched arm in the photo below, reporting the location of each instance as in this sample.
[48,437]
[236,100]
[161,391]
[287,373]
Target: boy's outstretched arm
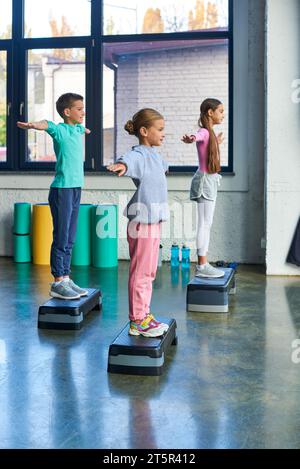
[40,125]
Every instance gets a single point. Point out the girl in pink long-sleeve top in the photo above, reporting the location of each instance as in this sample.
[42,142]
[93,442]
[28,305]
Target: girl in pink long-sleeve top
[205,182]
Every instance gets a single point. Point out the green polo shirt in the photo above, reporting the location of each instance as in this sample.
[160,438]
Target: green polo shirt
[68,148]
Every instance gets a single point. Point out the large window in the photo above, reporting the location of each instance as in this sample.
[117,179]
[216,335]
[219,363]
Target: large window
[109,113]
[49,74]
[5,19]
[163,16]
[121,55]
[57,18]
[170,76]
[3,105]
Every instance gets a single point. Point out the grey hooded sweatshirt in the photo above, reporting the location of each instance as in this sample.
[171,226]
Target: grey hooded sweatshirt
[147,169]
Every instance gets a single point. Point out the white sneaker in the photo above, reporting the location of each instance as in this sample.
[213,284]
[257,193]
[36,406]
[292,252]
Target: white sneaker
[207,270]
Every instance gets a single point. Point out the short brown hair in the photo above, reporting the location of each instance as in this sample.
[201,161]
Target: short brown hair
[65,101]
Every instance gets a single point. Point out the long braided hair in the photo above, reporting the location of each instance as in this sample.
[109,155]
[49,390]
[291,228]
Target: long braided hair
[214,165]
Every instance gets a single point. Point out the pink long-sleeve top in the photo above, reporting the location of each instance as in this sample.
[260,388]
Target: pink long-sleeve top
[202,139]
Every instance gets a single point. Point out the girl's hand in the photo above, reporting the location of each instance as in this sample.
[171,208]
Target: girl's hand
[87,131]
[188,139]
[119,168]
[220,138]
[25,125]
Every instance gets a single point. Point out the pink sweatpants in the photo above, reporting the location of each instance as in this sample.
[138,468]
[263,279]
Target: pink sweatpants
[143,243]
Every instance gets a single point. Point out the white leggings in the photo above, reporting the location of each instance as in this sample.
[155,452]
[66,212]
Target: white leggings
[206,210]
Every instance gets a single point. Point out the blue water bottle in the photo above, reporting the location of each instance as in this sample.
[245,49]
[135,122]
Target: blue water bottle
[185,257]
[174,255]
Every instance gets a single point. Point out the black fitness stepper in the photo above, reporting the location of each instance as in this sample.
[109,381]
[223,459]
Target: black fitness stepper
[68,314]
[138,355]
[210,295]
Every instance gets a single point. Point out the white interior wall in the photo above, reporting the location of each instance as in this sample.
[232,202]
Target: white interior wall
[282,132]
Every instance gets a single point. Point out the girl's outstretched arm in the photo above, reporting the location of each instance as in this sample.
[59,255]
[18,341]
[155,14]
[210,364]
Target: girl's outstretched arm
[87,131]
[119,168]
[40,125]
[188,138]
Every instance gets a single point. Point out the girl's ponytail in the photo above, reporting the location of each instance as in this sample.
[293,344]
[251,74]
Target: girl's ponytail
[129,127]
[213,165]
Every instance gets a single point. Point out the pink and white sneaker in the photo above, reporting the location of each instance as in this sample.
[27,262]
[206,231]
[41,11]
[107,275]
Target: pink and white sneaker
[146,328]
[154,321]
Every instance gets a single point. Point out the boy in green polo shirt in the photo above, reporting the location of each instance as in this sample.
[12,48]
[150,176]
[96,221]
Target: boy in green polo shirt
[65,190]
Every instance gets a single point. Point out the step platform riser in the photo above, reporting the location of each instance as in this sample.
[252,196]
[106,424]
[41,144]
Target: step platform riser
[137,355]
[207,295]
[68,314]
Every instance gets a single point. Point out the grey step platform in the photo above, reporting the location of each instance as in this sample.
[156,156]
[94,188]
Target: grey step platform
[210,295]
[138,355]
[68,314]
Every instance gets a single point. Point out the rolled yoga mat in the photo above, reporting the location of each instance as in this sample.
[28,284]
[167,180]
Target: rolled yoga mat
[105,235]
[42,228]
[22,218]
[82,253]
[22,251]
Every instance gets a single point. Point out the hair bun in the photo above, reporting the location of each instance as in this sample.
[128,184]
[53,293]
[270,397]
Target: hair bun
[129,127]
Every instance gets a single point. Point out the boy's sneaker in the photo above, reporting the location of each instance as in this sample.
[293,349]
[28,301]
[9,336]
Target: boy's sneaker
[145,328]
[151,319]
[63,290]
[77,289]
[207,270]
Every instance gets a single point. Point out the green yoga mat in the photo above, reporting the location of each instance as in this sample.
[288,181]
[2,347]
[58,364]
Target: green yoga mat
[22,250]
[22,218]
[105,236]
[81,253]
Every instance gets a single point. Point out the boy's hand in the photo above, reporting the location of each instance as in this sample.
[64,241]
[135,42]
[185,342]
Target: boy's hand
[119,168]
[188,139]
[220,138]
[25,125]
[87,131]
[40,125]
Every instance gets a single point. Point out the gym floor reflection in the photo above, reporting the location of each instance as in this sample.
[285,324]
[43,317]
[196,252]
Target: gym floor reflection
[230,382]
